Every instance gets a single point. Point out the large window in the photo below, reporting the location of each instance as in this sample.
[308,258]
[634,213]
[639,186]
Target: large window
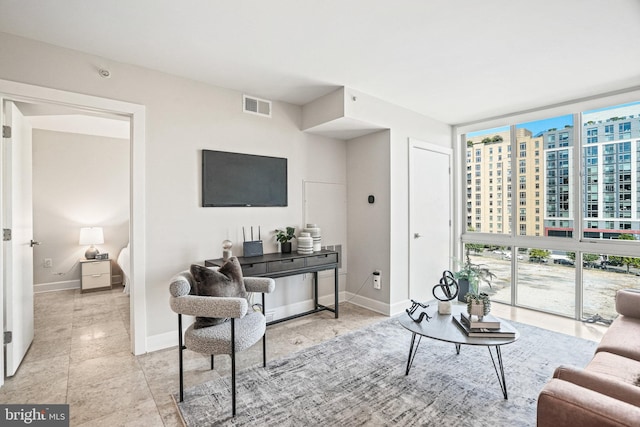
[497,260]
[572,186]
[611,196]
[546,281]
[485,156]
[555,135]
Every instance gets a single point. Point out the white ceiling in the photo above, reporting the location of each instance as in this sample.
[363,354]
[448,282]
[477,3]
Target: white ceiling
[453,60]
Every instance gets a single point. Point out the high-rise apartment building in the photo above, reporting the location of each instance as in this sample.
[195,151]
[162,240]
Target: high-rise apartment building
[493,188]
[611,163]
[558,167]
[540,191]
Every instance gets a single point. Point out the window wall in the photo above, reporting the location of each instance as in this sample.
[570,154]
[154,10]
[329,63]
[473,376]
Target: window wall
[497,259]
[558,188]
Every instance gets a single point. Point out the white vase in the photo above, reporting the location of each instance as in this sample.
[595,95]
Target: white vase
[305,243]
[477,309]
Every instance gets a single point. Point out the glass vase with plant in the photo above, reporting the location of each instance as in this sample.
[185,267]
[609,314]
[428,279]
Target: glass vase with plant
[469,277]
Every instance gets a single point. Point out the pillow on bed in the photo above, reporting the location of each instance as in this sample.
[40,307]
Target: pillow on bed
[224,282]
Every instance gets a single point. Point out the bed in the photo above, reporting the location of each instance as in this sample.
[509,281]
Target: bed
[124,262]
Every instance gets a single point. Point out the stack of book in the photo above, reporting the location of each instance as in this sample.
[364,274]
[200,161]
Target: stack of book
[487,327]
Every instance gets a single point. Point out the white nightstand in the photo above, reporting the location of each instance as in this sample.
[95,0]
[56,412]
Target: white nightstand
[95,274]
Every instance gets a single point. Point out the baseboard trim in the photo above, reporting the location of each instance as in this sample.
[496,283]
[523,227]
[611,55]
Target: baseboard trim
[170,339]
[400,307]
[368,303]
[56,286]
[162,341]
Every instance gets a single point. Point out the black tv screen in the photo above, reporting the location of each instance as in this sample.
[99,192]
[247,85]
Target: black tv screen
[235,179]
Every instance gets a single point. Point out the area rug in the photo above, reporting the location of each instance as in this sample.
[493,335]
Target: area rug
[358,379]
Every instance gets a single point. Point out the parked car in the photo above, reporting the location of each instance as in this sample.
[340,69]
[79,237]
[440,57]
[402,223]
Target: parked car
[538,260]
[563,261]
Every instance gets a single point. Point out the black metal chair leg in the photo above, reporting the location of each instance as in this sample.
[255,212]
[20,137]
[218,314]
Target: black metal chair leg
[264,337]
[233,366]
[212,362]
[180,348]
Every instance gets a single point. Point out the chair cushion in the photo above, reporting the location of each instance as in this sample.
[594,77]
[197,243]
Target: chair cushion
[225,281]
[217,339]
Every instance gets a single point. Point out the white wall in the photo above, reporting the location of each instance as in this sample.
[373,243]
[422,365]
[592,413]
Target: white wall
[378,234]
[403,124]
[183,117]
[369,240]
[78,181]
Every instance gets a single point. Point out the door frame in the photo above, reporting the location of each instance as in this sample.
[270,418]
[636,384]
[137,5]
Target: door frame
[422,145]
[15,91]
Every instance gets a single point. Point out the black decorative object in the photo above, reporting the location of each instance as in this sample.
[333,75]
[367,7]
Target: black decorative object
[414,307]
[448,286]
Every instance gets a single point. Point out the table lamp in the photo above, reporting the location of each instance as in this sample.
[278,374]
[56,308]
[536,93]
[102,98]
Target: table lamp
[91,236]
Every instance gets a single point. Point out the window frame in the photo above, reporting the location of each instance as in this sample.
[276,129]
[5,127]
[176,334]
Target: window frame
[578,242]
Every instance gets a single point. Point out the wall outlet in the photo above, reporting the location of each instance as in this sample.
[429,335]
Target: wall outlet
[48,263]
[377,279]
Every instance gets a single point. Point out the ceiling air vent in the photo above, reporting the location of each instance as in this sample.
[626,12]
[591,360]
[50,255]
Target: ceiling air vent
[257,106]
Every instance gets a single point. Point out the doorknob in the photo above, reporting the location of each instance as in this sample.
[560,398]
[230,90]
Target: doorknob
[33,243]
[416,235]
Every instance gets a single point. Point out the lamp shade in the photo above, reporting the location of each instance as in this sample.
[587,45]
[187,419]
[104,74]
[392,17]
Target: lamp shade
[91,236]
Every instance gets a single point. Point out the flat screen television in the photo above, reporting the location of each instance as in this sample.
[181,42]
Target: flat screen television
[235,179]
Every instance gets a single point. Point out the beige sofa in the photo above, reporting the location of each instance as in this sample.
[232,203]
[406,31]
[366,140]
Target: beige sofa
[607,391]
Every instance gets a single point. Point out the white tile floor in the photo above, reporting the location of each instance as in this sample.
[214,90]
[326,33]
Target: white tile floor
[80,355]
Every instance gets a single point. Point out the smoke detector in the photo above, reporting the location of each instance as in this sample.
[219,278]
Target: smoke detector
[104,73]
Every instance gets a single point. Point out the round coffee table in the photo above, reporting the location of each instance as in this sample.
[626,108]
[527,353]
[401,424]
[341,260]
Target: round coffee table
[443,327]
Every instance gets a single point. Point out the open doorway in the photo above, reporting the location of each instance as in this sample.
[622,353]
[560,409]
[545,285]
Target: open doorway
[80,178]
[19,92]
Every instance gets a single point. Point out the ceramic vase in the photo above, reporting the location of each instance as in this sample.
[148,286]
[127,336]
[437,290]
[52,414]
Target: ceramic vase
[305,243]
[477,309]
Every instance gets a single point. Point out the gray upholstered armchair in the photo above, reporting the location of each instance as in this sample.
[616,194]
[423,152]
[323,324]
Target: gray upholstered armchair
[243,331]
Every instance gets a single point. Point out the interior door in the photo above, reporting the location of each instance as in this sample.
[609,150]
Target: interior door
[430,217]
[17,215]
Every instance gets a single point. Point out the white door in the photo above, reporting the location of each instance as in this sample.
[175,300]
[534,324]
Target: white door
[17,215]
[430,217]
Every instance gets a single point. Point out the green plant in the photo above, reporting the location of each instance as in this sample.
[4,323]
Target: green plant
[477,299]
[286,235]
[473,273]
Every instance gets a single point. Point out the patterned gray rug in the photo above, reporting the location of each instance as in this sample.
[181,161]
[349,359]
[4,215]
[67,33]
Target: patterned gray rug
[359,379]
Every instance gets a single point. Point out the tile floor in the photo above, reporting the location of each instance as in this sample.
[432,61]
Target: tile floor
[80,355]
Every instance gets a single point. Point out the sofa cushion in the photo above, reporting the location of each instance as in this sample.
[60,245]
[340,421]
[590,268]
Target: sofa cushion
[608,385]
[225,281]
[628,302]
[615,366]
[622,338]
[564,404]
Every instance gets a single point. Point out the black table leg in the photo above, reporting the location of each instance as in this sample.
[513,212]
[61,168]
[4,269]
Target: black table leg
[412,351]
[500,375]
[335,285]
[315,290]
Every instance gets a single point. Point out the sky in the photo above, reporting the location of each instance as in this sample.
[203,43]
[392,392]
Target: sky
[535,127]
[559,122]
